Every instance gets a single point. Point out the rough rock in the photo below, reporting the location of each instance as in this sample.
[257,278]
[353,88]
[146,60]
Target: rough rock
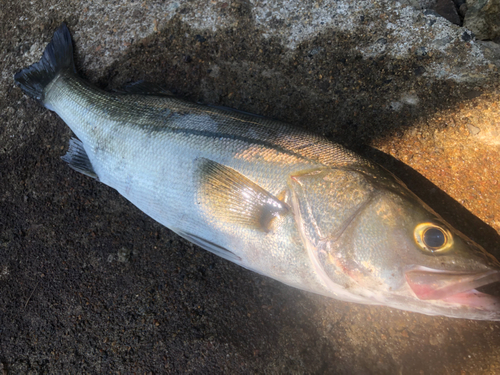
[448,10]
[89,284]
[483,19]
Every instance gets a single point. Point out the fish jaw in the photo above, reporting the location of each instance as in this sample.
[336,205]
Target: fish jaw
[453,287]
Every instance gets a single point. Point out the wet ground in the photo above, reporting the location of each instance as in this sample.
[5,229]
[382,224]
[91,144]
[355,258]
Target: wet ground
[88,283]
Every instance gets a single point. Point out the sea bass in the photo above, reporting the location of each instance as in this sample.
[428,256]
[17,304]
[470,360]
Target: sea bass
[279,201]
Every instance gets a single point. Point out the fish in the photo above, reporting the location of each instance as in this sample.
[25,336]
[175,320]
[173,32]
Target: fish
[280,201]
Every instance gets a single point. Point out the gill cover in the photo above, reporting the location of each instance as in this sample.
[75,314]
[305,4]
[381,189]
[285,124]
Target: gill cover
[327,203]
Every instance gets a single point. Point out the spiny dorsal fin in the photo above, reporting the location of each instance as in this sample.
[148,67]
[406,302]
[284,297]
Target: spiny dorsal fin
[232,197]
[78,159]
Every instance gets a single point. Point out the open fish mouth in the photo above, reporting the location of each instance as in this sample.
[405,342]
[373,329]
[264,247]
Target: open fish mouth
[454,287]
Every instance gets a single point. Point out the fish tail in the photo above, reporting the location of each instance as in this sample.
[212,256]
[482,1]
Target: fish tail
[57,58]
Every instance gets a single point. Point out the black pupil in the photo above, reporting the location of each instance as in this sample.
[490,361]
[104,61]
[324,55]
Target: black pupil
[434,237]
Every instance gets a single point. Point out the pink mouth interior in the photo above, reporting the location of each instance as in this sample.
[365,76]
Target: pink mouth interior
[453,287]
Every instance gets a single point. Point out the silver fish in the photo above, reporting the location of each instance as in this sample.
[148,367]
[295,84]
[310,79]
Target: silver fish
[280,201]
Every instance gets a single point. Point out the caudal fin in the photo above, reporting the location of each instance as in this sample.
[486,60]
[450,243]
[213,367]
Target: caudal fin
[57,58]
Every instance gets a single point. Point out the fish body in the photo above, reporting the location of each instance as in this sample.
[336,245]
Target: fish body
[280,201]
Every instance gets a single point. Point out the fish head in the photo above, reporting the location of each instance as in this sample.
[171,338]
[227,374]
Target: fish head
[371,237]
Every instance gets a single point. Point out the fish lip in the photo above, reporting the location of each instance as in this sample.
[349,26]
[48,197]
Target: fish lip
[452,286]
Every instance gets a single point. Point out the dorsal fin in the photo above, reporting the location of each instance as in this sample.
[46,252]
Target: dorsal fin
[229,109]
[146,88]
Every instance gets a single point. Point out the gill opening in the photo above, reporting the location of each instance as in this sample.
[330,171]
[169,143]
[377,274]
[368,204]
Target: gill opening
[313,251]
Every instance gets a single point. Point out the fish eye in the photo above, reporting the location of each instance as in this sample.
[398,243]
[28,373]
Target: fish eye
[433,238]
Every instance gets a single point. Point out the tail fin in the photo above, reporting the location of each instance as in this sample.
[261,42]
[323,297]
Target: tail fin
[58,57]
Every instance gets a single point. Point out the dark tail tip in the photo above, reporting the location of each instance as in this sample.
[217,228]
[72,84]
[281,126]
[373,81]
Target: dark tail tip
[58,56]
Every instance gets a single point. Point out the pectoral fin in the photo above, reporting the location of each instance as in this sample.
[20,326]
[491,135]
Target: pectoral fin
[230,196]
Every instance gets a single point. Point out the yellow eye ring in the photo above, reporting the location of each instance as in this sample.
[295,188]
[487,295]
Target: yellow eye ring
[433,238]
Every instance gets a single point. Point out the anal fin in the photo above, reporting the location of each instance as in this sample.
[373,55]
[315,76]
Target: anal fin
[230,196]
[78,159]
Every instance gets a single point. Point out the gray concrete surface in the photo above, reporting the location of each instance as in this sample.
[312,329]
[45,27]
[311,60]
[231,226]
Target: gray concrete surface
[89,284]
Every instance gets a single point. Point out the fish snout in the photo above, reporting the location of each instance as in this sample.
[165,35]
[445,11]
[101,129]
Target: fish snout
[454,287]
